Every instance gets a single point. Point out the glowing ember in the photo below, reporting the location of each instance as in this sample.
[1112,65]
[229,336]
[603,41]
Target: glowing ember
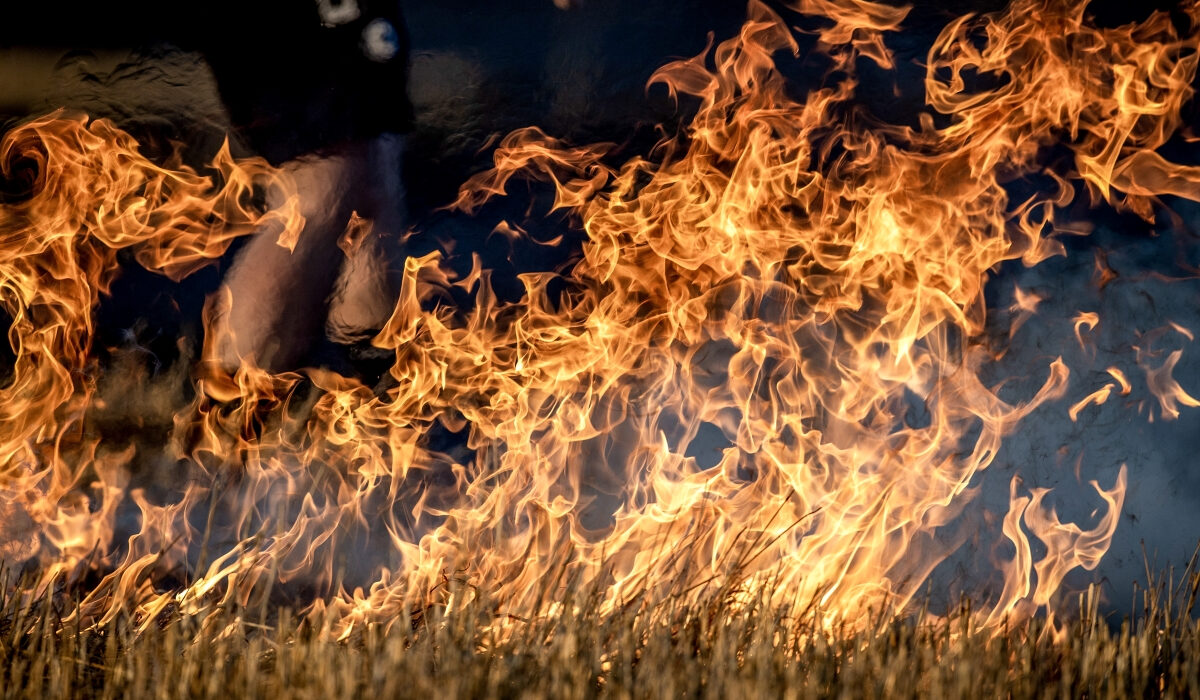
[788,270]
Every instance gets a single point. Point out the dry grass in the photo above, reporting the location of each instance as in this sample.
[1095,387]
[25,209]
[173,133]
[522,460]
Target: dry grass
[706,652]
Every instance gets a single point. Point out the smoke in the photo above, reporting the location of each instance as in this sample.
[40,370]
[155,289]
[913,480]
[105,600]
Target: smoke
[1154,287]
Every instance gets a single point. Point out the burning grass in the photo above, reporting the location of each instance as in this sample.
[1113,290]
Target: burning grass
[790,272]
[714,649]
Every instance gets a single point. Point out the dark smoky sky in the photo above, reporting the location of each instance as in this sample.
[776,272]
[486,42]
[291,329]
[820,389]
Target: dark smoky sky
[477,69]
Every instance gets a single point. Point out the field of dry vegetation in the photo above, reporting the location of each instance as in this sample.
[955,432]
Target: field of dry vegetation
[710,651]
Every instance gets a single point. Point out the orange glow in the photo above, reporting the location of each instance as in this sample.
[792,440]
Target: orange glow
[1118,375]
[1085,320]
[1160,379]
[787,272]
[1097,397]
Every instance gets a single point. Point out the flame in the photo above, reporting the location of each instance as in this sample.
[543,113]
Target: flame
[1160,379]
[1097,397]
[1118,375]
[788,271]
[1085,320]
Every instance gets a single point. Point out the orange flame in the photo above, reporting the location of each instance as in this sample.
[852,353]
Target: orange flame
[788,271]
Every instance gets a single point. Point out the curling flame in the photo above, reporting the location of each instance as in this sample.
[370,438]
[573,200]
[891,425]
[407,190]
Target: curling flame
[1085,320]
[1118,375]
[1097,397]
[1160,379]
[788,272]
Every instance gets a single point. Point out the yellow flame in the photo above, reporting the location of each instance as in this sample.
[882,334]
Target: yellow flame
[787,271]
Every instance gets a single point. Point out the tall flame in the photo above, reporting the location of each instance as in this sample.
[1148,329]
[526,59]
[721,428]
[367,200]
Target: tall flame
[789,271]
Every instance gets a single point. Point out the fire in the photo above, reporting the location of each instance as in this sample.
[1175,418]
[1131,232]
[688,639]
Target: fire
[788,270]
